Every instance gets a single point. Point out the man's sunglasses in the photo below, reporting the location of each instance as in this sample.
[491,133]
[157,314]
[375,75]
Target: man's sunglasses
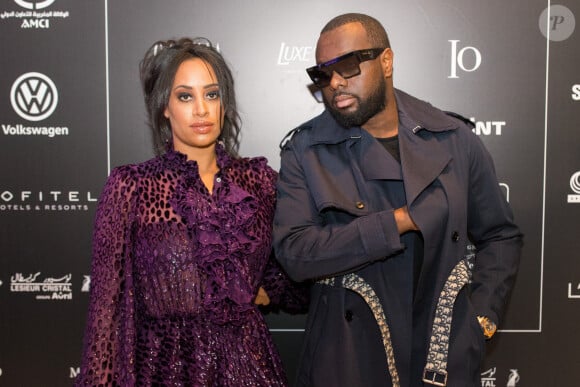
[347,66]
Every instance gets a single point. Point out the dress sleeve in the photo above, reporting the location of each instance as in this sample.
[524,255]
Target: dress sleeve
[284,293]
[108,355]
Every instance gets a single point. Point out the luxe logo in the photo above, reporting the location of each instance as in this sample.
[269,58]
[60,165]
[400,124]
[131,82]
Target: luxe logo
[34,4]
[34,96]
[290,54]
[457,59]
[575,187]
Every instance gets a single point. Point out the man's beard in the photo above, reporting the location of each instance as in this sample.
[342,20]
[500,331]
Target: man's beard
[367,109]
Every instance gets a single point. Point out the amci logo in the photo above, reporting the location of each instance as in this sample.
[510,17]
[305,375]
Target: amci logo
[34,4]
[34,96]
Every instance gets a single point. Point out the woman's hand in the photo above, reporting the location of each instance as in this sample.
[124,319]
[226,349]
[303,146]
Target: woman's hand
[262,297]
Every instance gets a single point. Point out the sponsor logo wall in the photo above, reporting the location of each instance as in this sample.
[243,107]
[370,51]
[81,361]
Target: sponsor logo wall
[71,109]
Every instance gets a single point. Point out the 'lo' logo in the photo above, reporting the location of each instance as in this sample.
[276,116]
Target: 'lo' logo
[33,96]
[34,4]
[457,59]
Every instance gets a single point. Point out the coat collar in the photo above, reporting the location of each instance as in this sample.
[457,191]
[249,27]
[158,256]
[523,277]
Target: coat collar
[414,115]
[423,158]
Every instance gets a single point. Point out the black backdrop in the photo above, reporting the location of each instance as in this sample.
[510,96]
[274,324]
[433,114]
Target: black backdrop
[71,109]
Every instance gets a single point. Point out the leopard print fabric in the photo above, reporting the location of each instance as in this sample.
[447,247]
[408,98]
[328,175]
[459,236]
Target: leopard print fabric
[174,274]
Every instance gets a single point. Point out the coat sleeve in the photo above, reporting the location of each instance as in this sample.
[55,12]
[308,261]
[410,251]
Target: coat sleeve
[284,293]
[305,244]
[497,238]
[108,356]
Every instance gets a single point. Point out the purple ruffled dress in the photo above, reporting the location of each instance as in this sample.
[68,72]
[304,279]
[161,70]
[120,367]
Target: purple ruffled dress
[174,274]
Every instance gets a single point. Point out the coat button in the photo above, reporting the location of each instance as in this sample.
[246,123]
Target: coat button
[455,236]
[360,205]
[348,315]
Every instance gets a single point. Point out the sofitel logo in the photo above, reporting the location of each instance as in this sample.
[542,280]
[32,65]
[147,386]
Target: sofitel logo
[53,200]
[575,186]
[47,289]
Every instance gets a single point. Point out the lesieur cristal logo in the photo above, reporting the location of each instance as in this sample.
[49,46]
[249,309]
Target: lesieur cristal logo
[34,96]
[34,4]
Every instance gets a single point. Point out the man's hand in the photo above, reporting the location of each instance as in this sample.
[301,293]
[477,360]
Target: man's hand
[404,221]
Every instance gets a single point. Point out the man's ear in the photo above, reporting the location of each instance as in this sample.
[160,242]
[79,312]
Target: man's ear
[387,62]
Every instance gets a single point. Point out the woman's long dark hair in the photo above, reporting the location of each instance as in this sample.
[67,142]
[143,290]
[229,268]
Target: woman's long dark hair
[157,71]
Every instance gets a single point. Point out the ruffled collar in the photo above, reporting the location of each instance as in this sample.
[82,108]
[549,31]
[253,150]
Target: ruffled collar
[178,161]
[221,226]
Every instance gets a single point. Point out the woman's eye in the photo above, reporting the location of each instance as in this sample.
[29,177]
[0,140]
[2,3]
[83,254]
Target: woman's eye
[184,97]
[215,94]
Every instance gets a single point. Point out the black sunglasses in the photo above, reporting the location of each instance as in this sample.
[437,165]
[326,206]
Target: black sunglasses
[347,66]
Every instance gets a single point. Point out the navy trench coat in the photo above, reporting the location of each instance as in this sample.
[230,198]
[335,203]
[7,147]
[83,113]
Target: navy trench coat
[337,191]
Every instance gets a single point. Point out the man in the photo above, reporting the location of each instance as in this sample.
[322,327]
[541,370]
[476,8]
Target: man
[381,199]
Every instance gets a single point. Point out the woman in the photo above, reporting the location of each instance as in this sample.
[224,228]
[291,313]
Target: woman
[182,242]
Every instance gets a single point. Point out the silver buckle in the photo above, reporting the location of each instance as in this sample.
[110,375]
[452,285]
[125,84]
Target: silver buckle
[437,378]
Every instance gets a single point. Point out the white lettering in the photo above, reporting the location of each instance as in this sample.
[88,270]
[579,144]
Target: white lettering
[290,54]
[35,23]
[457,59]
[576,92]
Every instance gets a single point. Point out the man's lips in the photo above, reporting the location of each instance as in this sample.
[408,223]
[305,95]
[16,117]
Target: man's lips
[342,101]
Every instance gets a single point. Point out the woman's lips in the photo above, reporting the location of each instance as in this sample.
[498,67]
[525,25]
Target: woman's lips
[202,127]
